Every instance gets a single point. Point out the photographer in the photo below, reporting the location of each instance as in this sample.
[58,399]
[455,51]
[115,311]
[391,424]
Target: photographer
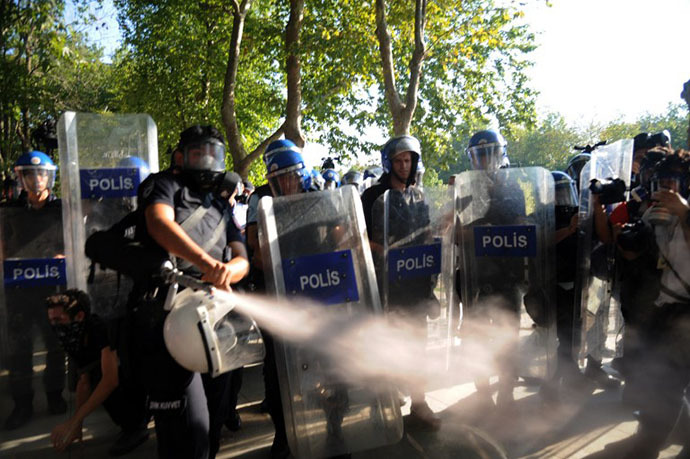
[638,275]
[665,354]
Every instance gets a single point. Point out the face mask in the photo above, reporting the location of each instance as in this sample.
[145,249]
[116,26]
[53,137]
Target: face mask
[70,336]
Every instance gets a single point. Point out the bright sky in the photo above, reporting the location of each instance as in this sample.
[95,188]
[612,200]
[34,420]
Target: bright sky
[597,60]
[601,59]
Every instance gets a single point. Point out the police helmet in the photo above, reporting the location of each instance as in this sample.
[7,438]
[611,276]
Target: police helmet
[278,146]
[331,179]
[135,162]
[566,193]
[203,150]
[487,150]
[373,172]
[286,173]
[353,177]
[35,171]
[576,164]
[396,146]
[317,180]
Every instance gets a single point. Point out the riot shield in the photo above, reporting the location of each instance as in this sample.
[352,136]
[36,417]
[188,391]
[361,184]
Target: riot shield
[33,267]
[413,249]
[506,235]
[600,324]
[314,245]
[103,158]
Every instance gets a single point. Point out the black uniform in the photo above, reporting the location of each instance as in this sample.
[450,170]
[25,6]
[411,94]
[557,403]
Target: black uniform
[188,421]
[32,233]
[126,404]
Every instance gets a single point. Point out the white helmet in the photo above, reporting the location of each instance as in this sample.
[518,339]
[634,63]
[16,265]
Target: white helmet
[205,335]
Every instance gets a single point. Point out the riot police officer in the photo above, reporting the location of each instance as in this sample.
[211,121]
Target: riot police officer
[181,213]
[499,280]
[411,299]
[286,175]
[566,261]
[31,229]
[331,179]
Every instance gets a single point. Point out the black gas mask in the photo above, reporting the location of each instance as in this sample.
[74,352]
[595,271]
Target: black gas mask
[204,164]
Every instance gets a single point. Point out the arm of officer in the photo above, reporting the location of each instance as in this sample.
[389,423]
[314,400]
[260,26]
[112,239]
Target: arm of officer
[161,224]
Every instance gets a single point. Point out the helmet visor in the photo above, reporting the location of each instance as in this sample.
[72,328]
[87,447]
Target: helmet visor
[486,156]
[207,156]
[36,179]
[287,181]
[566,195]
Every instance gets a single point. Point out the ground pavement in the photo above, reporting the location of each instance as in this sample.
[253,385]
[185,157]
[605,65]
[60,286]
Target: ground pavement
[580,425]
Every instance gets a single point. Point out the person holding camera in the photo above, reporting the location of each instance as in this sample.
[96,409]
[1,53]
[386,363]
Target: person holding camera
[665,355]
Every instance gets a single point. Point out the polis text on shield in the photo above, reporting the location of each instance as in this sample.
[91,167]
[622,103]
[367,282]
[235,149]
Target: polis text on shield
[111,183]
[36,272]
[507,241]
[319,280]
[414,263]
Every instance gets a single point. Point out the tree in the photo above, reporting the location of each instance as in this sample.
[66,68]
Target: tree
[45,67]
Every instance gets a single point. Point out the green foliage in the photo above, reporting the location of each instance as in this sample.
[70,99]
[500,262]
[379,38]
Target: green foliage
[46,67]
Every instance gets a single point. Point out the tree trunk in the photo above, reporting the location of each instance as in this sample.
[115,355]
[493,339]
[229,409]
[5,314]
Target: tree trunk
[686,96]
[401,112]
[293,112]
[241,160]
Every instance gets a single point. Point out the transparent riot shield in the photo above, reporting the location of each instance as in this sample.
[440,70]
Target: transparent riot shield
[506,235]
[413,248]
[103,158]
[33,267]
[314,245]
[600,324]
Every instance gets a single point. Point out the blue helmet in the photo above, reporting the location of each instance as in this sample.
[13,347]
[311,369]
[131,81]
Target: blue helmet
[373,172]
[286,173]
[317,181]
[278,146]
[488,150]
[331,178]
[566,193]
[398,145]
[31,169]
[135,162]
[353,177]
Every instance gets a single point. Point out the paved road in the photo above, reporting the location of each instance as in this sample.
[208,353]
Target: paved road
[580,425]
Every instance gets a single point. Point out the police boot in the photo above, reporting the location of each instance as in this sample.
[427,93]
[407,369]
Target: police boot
[597,374]
[56,404]
[424,417]
[128,441]
[233,422]
[21,414]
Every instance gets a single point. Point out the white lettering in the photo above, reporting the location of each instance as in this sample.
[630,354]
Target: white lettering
[486,239]
[522,241]
[319,280]
[93,183]
[16,272]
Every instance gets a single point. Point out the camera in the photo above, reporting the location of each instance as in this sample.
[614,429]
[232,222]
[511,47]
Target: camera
[636,236]
[610,190]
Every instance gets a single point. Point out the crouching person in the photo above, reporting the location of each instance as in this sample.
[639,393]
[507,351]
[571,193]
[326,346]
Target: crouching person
[84,338]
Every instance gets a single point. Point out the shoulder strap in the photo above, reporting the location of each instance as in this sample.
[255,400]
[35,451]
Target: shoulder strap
[219,231]
[195,217]
[685,285]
